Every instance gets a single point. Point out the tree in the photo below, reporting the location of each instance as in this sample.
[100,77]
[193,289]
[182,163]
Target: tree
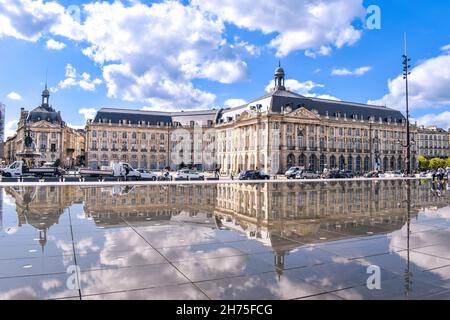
[447,162]
[436,163]
[424,163]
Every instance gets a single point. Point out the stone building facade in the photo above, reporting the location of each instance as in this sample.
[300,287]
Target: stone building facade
[52,138]
[271,133]
[152,140]
[433,142]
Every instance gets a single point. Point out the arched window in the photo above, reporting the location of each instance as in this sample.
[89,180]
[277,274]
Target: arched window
[341,163]
[366,164]
[332,162]
[314,162]
[290,160]
[399,163]
[322,163]
[301,160]
[385,164]
[358,164]
[392,164]
[350,163]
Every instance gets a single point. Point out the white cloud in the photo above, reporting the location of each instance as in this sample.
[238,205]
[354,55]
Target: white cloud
[88,113]
[10,128]
[14,96]
[321,96]
[346,72]
[312,25]
[246,47]
[441,120]
[303,88]
[428,86]
[446,48]
[55,45]
[29,20]
[76,127]
[73,79]
[231,103]
[180,44]
[296,86]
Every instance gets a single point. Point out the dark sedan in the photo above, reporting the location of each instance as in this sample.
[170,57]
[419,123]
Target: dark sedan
[253,175]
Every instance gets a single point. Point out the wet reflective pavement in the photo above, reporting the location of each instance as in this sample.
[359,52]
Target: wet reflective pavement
[295,240]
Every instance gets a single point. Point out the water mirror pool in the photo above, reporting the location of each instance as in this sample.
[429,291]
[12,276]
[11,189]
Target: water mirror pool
[299,240]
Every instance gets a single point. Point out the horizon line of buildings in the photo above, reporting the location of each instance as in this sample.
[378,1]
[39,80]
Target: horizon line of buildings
[271,133]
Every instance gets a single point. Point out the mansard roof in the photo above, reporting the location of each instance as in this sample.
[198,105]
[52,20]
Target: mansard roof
[281,99]
[46,113]
[154,117]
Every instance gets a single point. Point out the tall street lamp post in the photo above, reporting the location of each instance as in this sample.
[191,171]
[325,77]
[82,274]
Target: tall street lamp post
[406,73]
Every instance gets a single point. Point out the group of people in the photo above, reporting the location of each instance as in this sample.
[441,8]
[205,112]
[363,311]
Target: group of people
[440,174]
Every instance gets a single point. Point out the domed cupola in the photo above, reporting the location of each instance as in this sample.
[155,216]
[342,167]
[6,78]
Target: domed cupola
[279,78]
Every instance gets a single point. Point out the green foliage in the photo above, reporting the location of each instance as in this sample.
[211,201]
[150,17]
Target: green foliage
[436,163]
[424,163]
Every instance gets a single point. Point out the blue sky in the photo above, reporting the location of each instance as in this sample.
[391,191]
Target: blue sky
[165,55]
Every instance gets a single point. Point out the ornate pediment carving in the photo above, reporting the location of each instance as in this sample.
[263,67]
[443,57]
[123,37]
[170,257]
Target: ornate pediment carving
[303,113]
[44,124]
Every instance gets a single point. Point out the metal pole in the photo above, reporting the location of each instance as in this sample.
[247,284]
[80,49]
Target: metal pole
[408,142]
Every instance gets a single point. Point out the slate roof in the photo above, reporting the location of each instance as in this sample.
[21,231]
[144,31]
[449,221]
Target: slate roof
[46,113]
[285,98]
[155,117]
[279,100]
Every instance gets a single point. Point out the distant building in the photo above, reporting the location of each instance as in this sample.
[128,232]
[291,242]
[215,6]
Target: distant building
[52,138]
[150,139]
[2,129]
[271,133]
[433,142]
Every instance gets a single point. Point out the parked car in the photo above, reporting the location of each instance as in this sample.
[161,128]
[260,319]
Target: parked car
[189,174]
[373,174]
[147,175]
[347,174]
[253,175]
[307,174]
[290,174]
[333,174]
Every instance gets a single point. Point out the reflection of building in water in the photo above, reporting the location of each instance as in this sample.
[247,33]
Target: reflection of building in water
[149,203]
[283,216]
[1,209]
[42,206]
[287,215]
